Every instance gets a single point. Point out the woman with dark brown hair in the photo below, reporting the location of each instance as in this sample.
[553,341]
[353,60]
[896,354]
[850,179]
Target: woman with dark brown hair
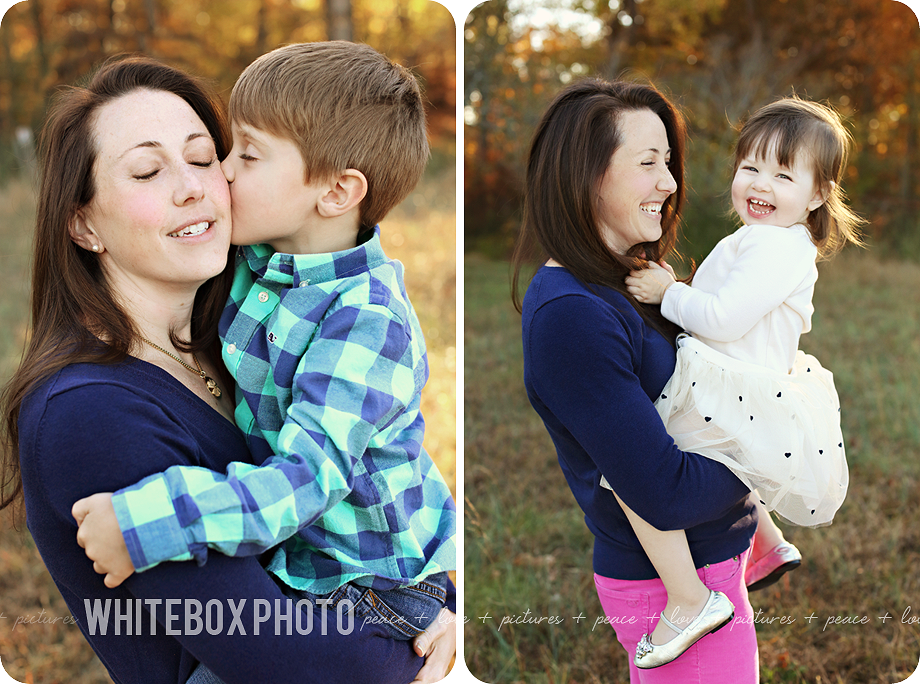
[603,195]
[121,378]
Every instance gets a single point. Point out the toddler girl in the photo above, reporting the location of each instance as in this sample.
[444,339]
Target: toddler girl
[741,392]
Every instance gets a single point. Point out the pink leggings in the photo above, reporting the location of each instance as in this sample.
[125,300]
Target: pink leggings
[728,656]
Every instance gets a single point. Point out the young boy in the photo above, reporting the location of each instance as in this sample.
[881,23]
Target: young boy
[327,353]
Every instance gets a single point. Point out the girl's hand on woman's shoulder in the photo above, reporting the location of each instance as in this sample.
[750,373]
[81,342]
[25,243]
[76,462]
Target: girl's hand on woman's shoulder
[649,285]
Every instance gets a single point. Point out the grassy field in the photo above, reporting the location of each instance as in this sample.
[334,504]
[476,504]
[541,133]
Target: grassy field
[420,233]
[529,550]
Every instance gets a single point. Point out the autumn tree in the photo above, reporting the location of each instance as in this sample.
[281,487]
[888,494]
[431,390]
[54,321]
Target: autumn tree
[719,60]
[48,43]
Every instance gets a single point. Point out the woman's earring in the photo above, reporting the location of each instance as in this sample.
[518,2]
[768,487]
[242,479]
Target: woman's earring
[95,248]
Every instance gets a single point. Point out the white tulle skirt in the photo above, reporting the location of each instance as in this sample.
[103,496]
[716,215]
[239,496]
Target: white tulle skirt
[780,434]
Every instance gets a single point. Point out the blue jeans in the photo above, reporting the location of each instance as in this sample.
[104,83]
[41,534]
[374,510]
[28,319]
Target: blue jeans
[400,614]
[202,675]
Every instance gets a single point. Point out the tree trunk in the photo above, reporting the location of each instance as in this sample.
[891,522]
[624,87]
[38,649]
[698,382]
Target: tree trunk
[619,39]
[262,35]
[146,36]
[339,24]
[8,115]
[36,10]
[912,138]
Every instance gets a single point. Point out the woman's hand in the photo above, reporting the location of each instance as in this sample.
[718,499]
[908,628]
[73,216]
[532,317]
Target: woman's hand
[438,644]
[649,285]
[100,536]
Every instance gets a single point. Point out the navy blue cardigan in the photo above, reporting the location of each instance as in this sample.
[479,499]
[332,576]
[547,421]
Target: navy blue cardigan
[93,428]
[592,368]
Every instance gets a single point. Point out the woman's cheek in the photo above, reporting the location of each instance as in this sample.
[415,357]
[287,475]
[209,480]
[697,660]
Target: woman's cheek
[220,189]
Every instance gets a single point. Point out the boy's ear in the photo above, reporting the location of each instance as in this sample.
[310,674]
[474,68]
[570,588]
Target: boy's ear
[820,196]
[82,233]
[345,192]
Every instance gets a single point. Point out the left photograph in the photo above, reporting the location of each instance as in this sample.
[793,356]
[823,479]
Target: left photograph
[227,355]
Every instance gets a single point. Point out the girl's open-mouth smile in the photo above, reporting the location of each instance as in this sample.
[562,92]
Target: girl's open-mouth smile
[759,208]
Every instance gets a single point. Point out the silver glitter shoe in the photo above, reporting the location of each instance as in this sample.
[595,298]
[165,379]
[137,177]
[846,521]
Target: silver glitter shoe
[717,613]
[777,562]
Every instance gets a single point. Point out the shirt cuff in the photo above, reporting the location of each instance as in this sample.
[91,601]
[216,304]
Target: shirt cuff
[669,302]
[151,537]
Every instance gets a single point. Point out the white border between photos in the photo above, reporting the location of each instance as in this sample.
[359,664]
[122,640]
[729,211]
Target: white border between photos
[459,9]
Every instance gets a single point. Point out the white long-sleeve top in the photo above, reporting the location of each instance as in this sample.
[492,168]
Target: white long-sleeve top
[751,297]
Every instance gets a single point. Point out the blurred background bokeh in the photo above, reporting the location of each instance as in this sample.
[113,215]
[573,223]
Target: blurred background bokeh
[47,44]
[719,60]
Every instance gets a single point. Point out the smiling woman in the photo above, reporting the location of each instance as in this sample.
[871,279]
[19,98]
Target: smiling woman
[160,219]
[128,282]
[602,197]
[127,161]
[637,183]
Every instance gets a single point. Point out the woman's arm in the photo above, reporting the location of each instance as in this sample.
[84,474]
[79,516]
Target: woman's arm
[584,359]
[355,400]
[253,647]
[437,644]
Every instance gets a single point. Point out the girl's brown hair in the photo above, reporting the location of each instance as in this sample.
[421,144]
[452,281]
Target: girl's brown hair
[72,306]
[569,154]
[791,127]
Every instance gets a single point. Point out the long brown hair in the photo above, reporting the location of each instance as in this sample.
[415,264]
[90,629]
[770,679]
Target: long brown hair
[569,155]
[793,127]
[72,305]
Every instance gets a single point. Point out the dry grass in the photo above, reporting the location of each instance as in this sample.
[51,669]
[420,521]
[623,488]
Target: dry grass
[421,233]
[530,547]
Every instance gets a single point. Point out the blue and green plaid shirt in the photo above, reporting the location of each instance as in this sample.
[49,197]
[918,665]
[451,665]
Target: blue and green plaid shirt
[329,361]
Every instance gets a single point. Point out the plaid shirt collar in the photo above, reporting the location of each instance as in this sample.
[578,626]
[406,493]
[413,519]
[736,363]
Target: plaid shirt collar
[296,270]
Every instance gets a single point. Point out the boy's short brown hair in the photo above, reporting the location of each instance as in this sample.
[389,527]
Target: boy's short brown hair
[346,106]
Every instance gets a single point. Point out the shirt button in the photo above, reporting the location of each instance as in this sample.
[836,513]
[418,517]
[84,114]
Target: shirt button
[231,349]
[304,283]
[263,296]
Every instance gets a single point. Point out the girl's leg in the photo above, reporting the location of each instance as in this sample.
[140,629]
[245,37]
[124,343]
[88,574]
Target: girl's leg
[728,656]
[768,534]
[669,553]
[771,555]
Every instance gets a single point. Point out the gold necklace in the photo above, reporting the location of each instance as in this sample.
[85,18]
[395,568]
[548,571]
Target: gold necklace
[212,386]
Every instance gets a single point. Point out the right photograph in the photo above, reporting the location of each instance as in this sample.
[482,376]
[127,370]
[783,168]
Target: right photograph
[692,341]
